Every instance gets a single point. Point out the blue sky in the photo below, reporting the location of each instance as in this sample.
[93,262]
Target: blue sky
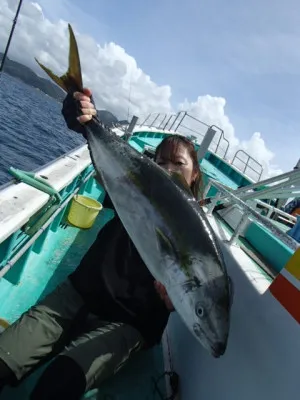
[245,52]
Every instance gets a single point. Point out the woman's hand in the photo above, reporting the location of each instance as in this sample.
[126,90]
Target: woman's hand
[86,106]
[161,290]
[78,108]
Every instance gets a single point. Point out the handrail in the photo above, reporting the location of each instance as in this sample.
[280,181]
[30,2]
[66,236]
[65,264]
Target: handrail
[283,237]
[144,122]
[179,123]
[176,118]
[198,120]
[284,182]
[275,210]
[222,136]
[35,181]
[259,173]
[18,255]
[176,121]
[152,123]
[171,116]
[37,170]
[163,120]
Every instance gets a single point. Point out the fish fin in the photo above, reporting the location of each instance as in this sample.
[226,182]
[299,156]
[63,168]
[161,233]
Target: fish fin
[180,181]
[54,77]
[72,79]
[74,61]
[164,241]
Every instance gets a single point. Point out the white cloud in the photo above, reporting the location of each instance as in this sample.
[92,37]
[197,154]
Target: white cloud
[212,111]
[256,147]
[109,71]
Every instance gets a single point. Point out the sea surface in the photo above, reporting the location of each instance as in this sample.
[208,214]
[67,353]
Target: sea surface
[32,129]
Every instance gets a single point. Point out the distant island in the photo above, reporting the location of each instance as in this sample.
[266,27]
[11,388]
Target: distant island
[29,77]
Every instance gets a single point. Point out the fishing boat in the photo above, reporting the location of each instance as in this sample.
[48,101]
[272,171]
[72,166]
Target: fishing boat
[45,229]
[39,247]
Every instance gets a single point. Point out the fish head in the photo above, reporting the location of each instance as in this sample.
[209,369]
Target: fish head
[205,306]
[200,290]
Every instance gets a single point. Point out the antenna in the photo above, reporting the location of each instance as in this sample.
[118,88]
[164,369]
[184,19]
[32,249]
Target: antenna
[10,37]
[129,96]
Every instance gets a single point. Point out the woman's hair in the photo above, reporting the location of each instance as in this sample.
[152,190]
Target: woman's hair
[169,146]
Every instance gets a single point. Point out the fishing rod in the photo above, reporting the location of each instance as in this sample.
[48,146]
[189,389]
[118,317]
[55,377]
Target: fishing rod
[10,36]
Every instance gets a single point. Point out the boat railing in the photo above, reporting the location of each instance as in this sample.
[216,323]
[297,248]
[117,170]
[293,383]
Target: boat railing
[195,129]
[282,186]
[248,213]
[248,163]
[192,127]
[276,211]
[163,121]
[36,170]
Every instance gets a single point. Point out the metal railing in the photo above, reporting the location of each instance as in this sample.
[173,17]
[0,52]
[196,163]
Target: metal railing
[196,129]
[246,163]
[188,125]
[282,188]
[218,144]
[248,213]
[275,210]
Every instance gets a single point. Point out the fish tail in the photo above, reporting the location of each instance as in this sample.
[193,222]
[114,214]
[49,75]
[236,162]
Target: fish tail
[72,79]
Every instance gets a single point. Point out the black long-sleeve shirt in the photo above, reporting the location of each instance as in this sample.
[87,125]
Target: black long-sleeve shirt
[117,286]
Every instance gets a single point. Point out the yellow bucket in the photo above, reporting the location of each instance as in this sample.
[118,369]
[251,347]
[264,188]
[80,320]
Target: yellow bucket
[83,211]
[3,325]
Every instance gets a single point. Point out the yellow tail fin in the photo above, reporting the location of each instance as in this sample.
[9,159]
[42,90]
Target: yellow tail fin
[72,79]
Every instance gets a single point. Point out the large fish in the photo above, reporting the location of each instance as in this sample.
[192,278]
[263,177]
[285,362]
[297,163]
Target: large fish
[165,222]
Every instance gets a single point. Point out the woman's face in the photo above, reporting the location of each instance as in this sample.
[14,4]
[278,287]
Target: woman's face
[178,161]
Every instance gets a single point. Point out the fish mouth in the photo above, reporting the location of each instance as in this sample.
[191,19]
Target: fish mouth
[217,349]
[197,329]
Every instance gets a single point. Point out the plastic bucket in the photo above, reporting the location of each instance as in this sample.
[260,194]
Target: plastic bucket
[3,325]
[83,211]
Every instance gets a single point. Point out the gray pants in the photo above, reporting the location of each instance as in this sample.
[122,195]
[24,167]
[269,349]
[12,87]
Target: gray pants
[48,329]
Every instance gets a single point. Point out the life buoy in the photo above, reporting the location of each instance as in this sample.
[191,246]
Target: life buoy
[295,212]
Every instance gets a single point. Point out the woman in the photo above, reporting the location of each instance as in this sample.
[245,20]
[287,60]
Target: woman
[108,308]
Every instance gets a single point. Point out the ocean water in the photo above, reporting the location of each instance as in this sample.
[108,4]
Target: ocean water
[32,129]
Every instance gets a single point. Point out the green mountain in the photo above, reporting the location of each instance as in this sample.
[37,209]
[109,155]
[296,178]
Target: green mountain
[29,77]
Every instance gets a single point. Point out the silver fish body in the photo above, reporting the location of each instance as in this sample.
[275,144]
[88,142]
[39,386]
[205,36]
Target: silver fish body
[171,233]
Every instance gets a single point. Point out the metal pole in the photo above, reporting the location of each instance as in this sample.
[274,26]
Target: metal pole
[152,123]
[177,116]
[163,120]
[239,229]
[10,37]
[130,128]
[180,122]
[208,138]
[172,115]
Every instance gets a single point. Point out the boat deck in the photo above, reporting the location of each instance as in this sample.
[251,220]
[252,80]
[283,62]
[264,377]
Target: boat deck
[263,350]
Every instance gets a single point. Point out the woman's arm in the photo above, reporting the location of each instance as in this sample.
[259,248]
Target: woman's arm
[161,290]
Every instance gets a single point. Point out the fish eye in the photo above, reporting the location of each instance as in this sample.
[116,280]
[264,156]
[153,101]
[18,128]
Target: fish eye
[199,311]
